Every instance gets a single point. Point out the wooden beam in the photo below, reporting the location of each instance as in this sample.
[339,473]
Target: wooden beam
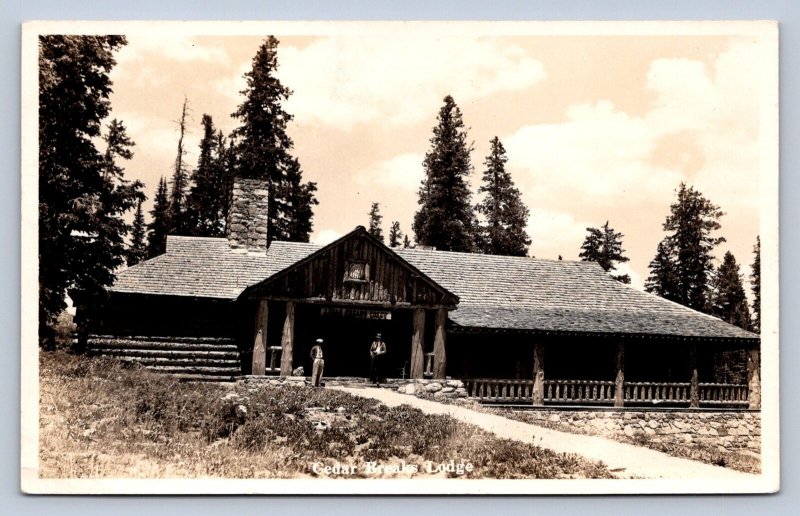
[619,383]
[439,349]
[417,345]
[754,378]
[260,344]
[538,374]
[694,388]
[287,342]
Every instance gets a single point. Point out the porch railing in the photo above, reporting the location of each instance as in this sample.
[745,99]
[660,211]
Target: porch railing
[591,392]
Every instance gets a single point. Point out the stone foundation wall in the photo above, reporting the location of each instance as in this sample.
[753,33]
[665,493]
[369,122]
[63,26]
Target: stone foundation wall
[439,389]
[734,430]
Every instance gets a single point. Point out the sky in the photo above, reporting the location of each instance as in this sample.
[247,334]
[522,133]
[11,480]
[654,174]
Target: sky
[597,128]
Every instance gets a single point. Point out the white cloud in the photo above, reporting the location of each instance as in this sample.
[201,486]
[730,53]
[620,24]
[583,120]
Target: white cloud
[325,236]
[600,151]
[555,233]
[346,81]
[404,171]
[173,47]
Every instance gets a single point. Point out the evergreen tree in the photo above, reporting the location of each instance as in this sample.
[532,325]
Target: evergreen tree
[755,285]
[179,223]
[395,235]
[208,196]
[407,242]
[137,251]
[663,278]
[375,221]
[692,220]
[604,246]
[445,218]
[158,229]
[506,215]
[300,201]
[263,148]
[81,195]
[728,300]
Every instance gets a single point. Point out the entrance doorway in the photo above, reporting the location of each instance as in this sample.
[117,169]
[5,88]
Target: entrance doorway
[348,334]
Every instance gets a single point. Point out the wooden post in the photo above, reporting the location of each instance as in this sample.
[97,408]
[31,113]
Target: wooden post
[619,385]
[694,389]
[538,374]
[287,342]
[417,339]
[754,378]
[260,344]
[439,351]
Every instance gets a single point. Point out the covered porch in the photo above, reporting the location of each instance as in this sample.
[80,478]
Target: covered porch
[608,370]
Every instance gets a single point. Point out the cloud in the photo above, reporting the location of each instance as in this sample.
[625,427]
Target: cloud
[555,233]
[172,47]
[699,128]
[347,81]
[403,171]
[325,236]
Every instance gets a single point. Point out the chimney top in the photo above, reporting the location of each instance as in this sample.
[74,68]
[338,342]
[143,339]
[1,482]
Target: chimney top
[247,225]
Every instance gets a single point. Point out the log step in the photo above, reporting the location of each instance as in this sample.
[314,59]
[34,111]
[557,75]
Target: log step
[192,361]
[163,353]
[203,378]
[160,345]
[203,370]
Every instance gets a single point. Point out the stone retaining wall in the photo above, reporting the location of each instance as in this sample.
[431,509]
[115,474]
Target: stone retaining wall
[734,430]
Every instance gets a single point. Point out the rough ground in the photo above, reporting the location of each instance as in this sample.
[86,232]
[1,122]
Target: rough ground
[624,460]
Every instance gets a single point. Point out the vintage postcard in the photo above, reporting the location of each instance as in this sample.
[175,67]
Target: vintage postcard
[400,257]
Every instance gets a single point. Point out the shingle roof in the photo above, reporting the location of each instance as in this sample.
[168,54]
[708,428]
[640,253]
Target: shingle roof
[501,292]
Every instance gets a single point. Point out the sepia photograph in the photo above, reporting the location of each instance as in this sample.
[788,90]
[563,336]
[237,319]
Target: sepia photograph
[400,257]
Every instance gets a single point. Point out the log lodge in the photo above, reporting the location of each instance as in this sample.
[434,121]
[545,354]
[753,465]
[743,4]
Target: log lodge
[514,329]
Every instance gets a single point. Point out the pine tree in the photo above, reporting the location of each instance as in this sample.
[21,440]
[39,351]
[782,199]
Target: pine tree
[407,242]
[205,205]
[604,246]
[755,285]
[137,251]
[728,300]
[375,221]
[395,235]
[445,219]
[263,148]
[300,202]
[663,279]
[81,197]
[506,215]
[158,229]
[179,223]
[692,220]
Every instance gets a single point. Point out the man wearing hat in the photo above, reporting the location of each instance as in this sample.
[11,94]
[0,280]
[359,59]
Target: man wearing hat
[376,352]
[318,363]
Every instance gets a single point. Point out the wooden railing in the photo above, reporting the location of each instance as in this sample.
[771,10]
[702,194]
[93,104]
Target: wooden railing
[723,394]
[499,391]
[657,392]
[591,392]
[579,391]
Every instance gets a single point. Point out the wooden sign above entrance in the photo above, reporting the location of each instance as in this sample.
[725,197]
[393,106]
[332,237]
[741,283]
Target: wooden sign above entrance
[358,313]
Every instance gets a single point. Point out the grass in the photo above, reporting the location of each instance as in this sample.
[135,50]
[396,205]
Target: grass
[101,418]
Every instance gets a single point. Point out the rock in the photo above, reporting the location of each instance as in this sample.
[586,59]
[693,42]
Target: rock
[448,390]
[340,410]
[629,430]
[433,387]
[410,388]
[554,418]
[653,424]
[454,383]
[439,395]
[461,393]
[241,412]
[298,371]
[649,431]
[275,382]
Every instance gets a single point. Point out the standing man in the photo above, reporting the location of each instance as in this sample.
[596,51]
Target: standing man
[317,363]
[376,352]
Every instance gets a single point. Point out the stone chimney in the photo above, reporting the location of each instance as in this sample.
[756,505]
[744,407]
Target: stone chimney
[247,219]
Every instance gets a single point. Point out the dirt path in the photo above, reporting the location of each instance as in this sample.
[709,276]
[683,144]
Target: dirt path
[625,460]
